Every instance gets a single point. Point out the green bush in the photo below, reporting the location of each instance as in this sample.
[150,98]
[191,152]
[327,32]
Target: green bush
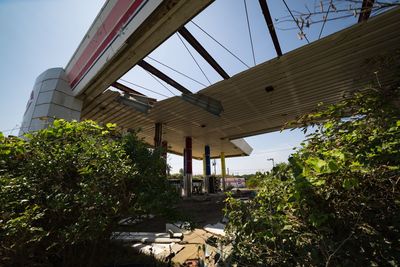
[63,189]
[281,170]
[150,189]
[339,204]
[255,180]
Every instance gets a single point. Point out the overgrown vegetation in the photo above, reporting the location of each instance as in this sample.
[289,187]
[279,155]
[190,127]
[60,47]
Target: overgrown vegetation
[338,203]
[281,170]
[63,190]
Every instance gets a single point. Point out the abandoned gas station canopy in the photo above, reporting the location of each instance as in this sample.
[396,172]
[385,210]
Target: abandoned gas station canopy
[258,100]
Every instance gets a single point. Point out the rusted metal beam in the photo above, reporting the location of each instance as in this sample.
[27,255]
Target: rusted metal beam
[366,9]
[126,89]
[138,105]
[270,24]
[139,96]
[146,66]
[203,52]
[207,103]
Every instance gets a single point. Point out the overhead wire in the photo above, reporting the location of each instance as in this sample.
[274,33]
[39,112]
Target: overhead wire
[249,30]
[180,38]
[325,19]
[219,43]
[163,85]
[294,20]
[177,71]
[144,88]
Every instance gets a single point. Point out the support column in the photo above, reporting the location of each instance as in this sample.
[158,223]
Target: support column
[164,154]
[204,172]
[204,165]
[187,171]
[206,186]
[159,143]
[158,135]
[223,171]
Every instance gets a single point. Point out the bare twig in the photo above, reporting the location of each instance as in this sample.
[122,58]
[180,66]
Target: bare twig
[337,249]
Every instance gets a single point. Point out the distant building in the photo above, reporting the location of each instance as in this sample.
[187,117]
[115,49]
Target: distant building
[235,182]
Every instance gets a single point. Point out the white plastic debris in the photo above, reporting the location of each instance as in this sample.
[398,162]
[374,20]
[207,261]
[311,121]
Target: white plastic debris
[217,229]
[178,227]
[147,237]
[159,251]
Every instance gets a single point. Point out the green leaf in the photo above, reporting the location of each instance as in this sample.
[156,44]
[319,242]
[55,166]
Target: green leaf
[393,168]
[332,166]
[338,154]
[318,182]
[287,227]
[328,125]
[349,183]
[111,126]
[316,164]
[57,123]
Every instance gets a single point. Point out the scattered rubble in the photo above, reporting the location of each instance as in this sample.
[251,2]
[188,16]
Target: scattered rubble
[161,252]
[217,229]
[133,221]
[178,227]
[180,245]
[146,238]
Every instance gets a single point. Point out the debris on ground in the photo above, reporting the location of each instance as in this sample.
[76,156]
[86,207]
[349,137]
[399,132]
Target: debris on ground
[135,220]
[178,227]
[199,243]
[217,229]
[160,251]
[179,245]
[146,238]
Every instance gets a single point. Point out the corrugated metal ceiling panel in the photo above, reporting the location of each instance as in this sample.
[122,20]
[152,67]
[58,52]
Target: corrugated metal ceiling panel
[320,72]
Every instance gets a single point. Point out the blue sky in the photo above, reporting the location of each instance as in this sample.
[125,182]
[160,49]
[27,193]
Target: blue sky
[41,34]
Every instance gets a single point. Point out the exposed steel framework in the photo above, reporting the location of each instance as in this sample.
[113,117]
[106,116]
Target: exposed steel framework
[257,100]
[366,9]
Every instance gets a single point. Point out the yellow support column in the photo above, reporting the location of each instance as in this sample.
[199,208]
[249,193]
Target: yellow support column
[223,170]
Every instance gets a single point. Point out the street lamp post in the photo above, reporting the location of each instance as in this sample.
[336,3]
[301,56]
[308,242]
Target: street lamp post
[215,166]
[273,162]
